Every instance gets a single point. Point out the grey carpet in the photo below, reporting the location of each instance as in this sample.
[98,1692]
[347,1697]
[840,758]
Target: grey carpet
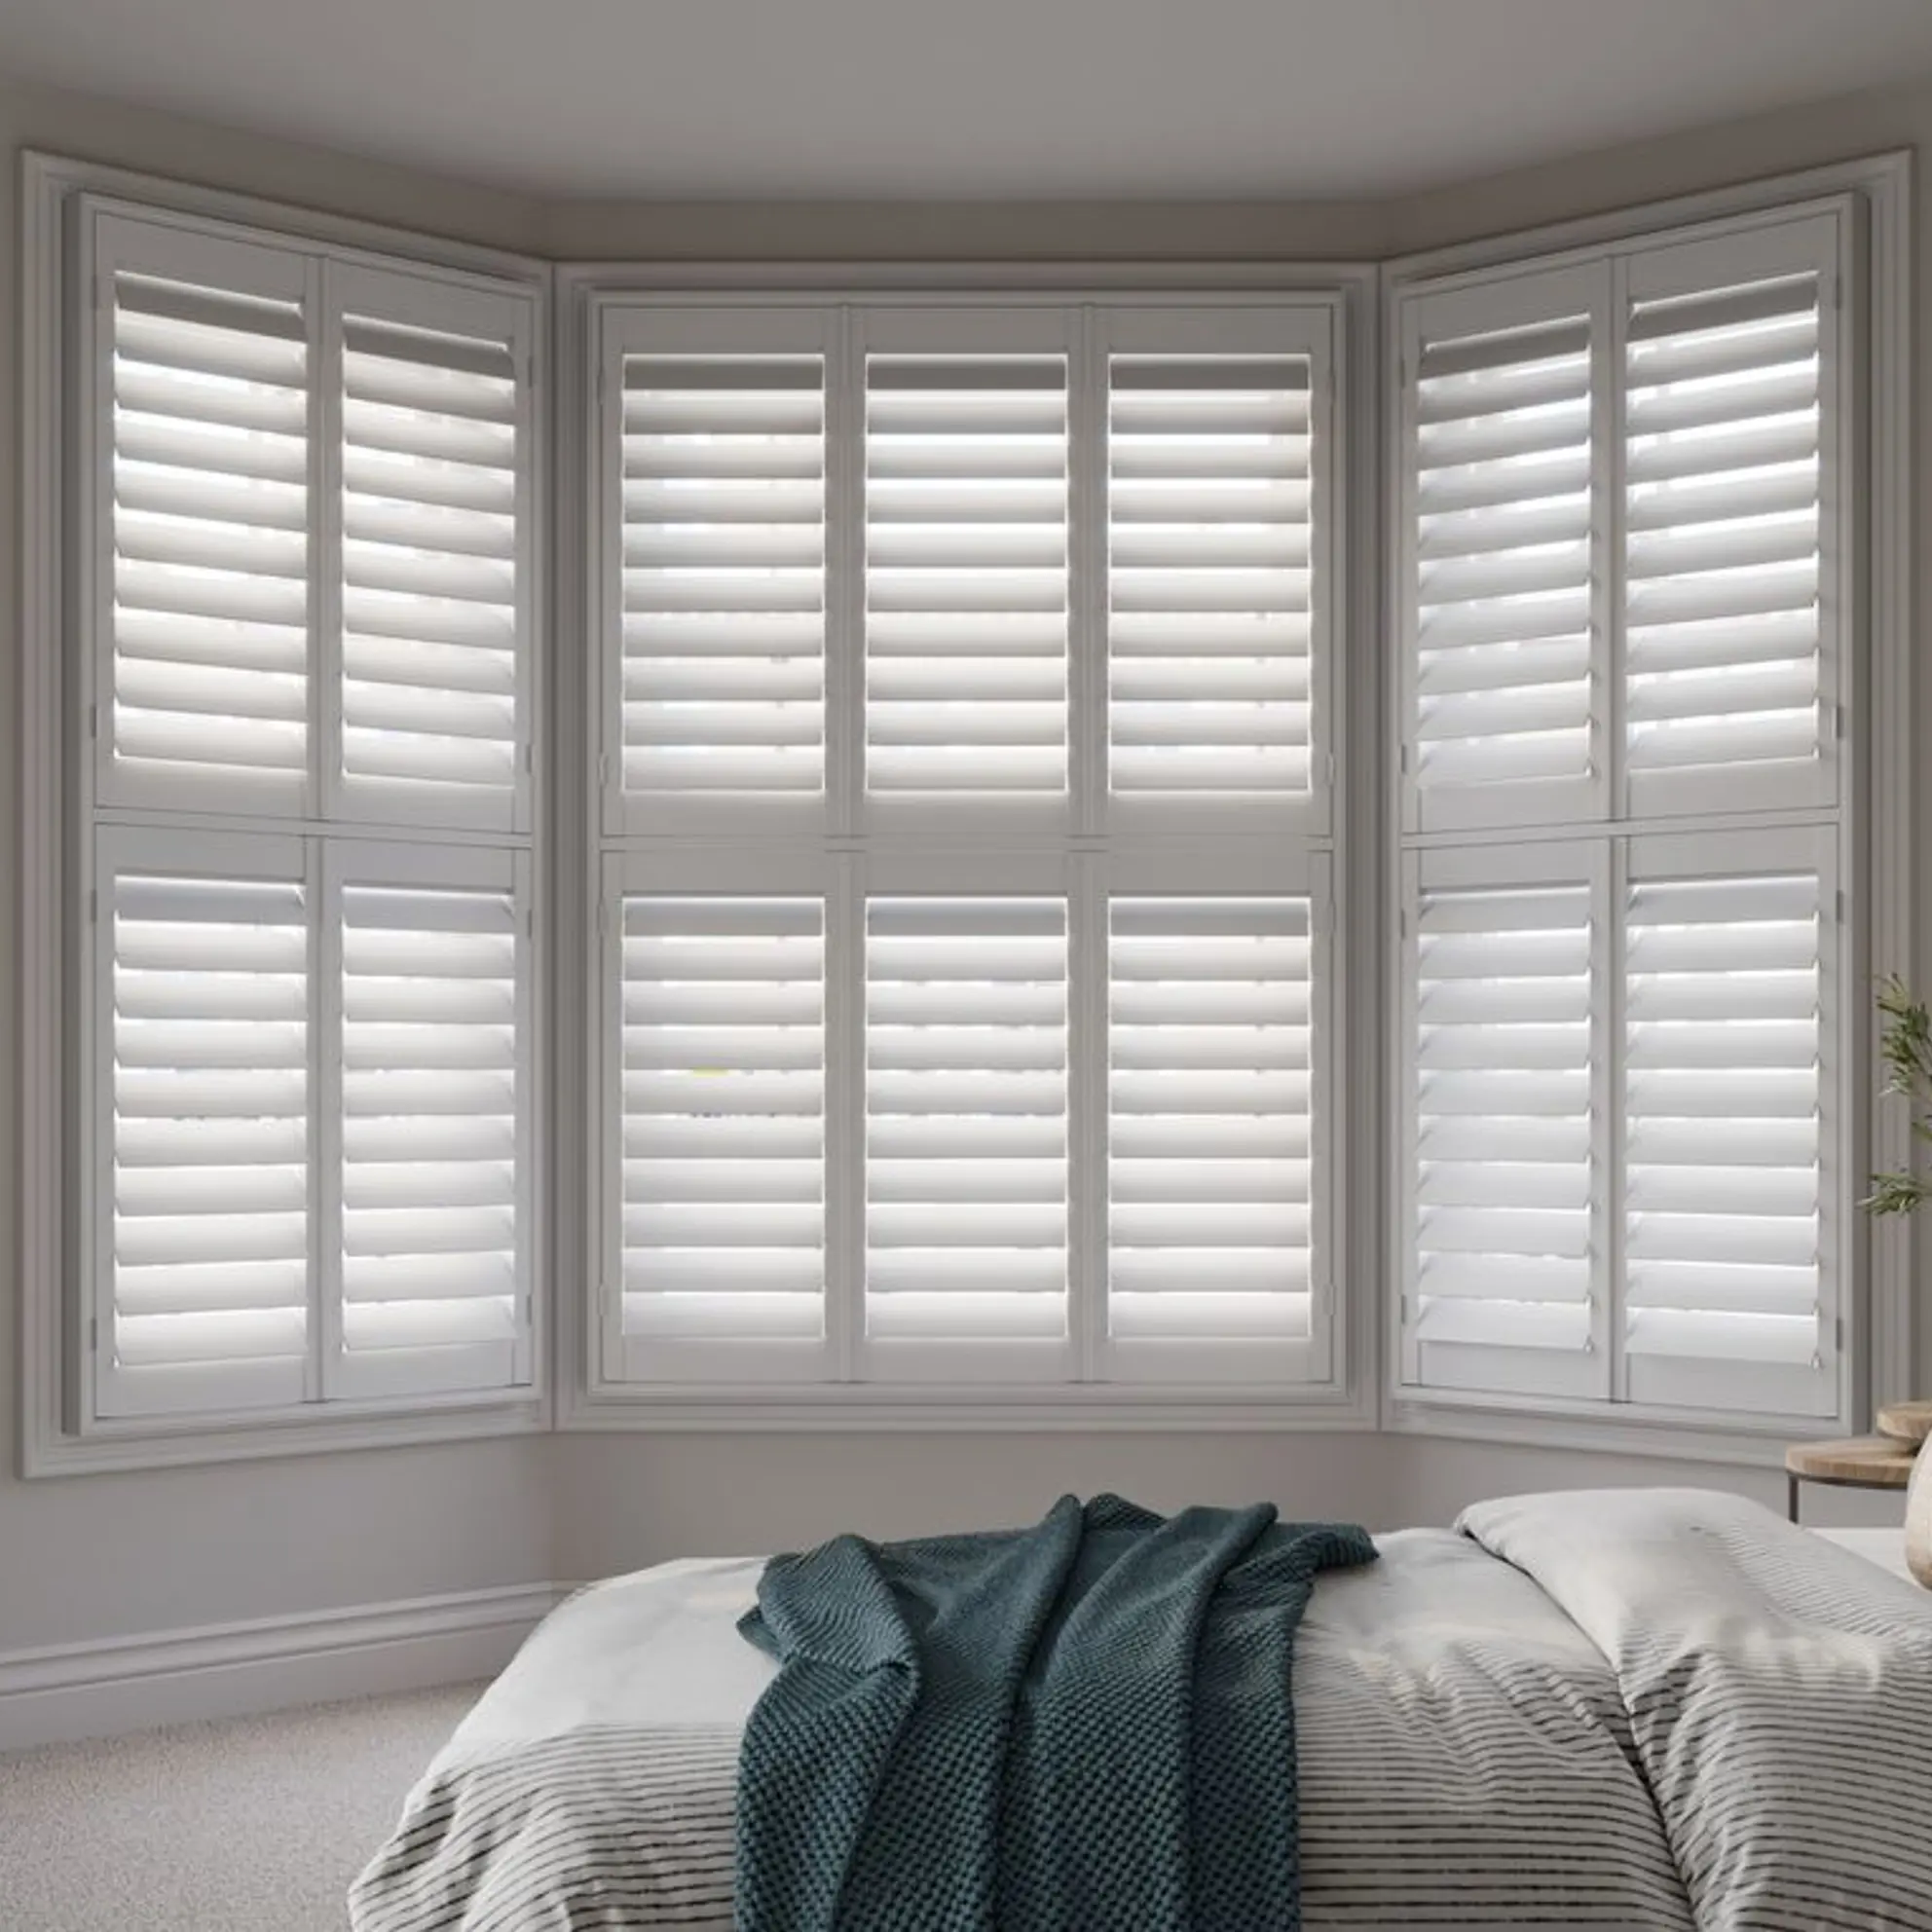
[251,1825]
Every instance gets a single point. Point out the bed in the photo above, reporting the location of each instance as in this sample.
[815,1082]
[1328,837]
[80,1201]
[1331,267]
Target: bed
[1647,1709]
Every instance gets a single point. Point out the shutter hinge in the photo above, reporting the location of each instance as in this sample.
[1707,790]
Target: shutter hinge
[529,369]
[1402,760]
[529,758]
[1402,923]
[1402,371]
[100,292]
[1838,906]
[93,1334]
[600,384]
[602,771]
[602,921]
[1838,721]
[93,904]
[93,721]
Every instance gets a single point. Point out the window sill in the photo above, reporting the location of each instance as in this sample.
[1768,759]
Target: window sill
[60,1454]
[1736,1441]
[942,1411]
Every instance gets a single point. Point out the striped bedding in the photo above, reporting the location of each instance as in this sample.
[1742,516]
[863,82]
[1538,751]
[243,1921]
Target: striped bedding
[1644,1709]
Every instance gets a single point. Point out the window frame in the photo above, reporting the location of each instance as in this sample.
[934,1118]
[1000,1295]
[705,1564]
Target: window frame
[58,1436]
[1888,1345]
[1344,1399]
[1876,799]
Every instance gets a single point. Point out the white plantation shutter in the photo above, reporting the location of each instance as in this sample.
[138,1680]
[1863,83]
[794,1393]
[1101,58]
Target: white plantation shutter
[1731,1168]
[719,533]
[718,1156]
[436,462]
[203,1050]
[1732,503]
[433,1257]
[1215,564]
[966,1140]
[930,627]
[309,560]
[1507,1083]
[1212,1132]
[1499,402]
[1628,556]
[202,569]
[966,572]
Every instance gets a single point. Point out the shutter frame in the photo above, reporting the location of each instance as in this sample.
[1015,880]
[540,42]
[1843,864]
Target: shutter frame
[1237,336]
[886,843]
[1505,1358]
[1818,242]
[1697,873]
[487,893]
[461,327]
[1026,1346]
[160,277]
[962,340]
[679,332]
[180,1382]
[1519,305]
[1294,1349]
[241,272]
[681,1355]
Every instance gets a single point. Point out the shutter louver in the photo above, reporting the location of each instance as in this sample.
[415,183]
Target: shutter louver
[1210,1137]
[207,1104]
[430,628]
[966,1118]
[1726,1100]
[966,531]
[723,660]
[722,1135]
[1503,689]
[211,559]
[1502,1293]
[1209,572]
[1722,556]
[432,1285]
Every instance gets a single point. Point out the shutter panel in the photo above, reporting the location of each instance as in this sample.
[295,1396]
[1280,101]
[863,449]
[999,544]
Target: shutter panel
[1730,1167]
[1507,1083]
[433,1278]
[435,458]
[722,1124]
[1210,1131]
[966,1122]
[724,578]
[202,1047]
[1209,574]
[1730,426]
[203,508]
[966,584]
[1504,683]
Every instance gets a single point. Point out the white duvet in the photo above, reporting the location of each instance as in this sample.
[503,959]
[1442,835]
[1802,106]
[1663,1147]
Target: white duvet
[1645,1709]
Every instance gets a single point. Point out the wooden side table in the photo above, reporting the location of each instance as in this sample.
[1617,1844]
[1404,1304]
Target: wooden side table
[1863,1461]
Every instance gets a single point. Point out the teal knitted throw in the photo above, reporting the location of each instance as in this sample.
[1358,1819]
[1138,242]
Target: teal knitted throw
[1074,1728]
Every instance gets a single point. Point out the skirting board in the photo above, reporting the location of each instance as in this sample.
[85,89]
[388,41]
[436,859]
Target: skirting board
[65,1691]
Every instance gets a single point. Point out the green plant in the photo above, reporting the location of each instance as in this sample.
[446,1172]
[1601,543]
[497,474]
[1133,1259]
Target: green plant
[1906,1047]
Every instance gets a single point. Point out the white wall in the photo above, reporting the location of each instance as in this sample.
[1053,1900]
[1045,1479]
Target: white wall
[98,1556]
